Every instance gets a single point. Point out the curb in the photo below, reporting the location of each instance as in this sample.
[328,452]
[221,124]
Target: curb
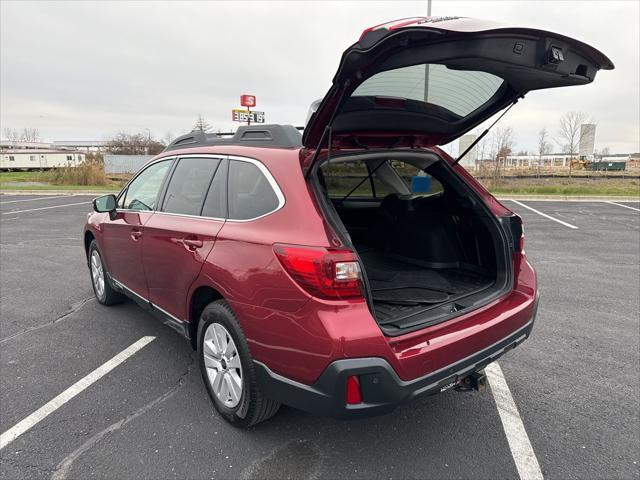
[570,198]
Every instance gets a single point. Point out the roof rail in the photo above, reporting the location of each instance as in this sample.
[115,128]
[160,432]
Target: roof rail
[282,136]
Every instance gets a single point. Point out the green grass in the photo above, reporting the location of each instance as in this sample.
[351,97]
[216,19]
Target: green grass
[19,176]
[567,190]
[62,188]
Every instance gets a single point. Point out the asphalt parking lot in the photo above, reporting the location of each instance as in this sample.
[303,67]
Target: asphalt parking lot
[575,381]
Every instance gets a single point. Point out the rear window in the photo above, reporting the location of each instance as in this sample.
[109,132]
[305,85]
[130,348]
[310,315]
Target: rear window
[417,181]
[250,192]
[458,91]
[189,184]
[353,179]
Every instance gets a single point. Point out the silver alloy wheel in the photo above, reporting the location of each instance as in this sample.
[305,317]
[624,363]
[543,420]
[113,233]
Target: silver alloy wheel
[97,273]
[222,362]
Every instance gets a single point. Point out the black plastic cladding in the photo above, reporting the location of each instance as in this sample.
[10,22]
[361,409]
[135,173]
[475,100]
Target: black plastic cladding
[280,136]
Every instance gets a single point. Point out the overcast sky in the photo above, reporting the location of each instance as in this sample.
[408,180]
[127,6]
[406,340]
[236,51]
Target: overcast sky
[86,70]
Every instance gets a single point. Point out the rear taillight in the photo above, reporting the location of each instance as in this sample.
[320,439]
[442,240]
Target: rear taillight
[323,272]
[512,223]
[517,232]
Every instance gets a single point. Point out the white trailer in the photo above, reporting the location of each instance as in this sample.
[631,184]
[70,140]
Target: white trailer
[38,159]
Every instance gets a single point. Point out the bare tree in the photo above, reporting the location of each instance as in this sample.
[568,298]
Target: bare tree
[26,135]
[11,134]
[134,144]
[503,144]
[201,125]
[30,135]
[570,131]
[605,151]
[543,145]
[168,137]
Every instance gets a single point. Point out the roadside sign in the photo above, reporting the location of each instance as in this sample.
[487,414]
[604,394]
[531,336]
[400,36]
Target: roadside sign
[238,115]
[248,101]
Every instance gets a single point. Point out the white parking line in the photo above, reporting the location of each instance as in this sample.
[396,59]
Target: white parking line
[625,206]
[2,202]
[545,215]
[24,425]
[44,208]
[519,444]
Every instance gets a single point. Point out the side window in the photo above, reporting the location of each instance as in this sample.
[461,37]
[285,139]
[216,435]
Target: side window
[215,205]
[142,192]
[250,193]
[417,181]
[342,178]
[189,184]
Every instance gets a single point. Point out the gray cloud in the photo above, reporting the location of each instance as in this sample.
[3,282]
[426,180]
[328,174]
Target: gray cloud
[86,70]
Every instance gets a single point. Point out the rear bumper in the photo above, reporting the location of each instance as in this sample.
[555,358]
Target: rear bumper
[382,389]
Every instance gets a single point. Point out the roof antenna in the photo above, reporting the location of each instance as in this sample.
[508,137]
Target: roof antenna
[475,142]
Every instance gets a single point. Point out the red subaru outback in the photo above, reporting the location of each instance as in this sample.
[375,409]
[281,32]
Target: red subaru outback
[357,266]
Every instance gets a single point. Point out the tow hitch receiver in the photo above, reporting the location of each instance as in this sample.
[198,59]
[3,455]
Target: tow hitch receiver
[474,381]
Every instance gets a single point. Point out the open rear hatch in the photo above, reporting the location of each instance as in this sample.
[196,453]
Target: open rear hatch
[421,82]
[425,81]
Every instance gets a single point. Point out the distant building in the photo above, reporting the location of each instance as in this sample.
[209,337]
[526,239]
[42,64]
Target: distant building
[18,145]
[557,159]
[548,160]
[587,141]
[84,145]
[470,159]
[38,158]
[124,163]
[620,157]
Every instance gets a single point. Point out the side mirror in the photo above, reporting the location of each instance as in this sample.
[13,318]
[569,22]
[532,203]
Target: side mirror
[105,203]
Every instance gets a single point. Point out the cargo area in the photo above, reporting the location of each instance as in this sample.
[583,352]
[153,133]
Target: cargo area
[428,250]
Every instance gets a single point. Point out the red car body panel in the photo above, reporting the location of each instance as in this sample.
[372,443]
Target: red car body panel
[170,265]
[295,334]
[125,248]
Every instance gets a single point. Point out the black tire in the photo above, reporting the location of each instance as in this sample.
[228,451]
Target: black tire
[253,407]
[108,296]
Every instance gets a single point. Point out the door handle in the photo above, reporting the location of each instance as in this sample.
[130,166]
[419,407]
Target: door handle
[136,234]
[192,243]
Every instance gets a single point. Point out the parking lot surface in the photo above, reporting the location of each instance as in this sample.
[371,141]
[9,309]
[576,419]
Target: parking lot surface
[575,382]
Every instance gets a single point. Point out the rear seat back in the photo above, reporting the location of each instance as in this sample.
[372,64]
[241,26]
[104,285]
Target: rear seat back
[420,228]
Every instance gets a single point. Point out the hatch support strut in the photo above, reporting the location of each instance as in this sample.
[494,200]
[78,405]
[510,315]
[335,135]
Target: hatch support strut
[482,135]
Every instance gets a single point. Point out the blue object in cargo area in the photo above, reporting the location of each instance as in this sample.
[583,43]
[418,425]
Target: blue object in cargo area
[420,184]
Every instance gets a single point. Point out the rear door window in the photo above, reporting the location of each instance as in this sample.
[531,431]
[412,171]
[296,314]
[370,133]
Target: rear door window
[189,185]
[251,194]
[215,205]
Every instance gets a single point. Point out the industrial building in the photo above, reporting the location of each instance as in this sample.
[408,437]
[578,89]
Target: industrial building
[38,159]
[471,158]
